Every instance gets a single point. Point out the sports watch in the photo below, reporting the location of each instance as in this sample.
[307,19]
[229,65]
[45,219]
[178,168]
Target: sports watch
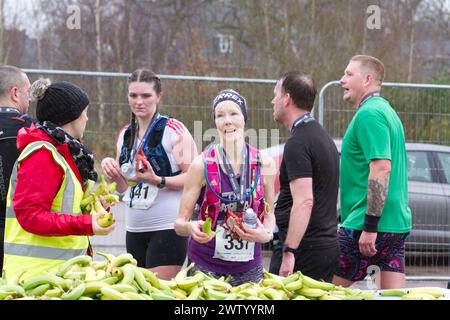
[162,184]
[286,248]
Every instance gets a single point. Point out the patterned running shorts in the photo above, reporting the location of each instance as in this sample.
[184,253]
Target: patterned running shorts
[353,265]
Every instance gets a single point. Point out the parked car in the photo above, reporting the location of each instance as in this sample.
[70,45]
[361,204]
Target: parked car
[429,195]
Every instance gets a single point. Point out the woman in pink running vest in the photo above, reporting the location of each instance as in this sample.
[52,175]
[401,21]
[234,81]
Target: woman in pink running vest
[226,180]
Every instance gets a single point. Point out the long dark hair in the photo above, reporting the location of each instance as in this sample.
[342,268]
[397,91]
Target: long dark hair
[143,75]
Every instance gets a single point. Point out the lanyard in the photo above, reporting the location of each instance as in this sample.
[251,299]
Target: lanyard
[144,140]
[370,95]
[9,110]
[303,119]
[238,189]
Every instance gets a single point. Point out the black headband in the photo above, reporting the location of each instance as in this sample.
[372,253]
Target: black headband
[230,95]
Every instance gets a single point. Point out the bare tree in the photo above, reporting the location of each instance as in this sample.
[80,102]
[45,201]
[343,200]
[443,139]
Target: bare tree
[99,59]
[2,29]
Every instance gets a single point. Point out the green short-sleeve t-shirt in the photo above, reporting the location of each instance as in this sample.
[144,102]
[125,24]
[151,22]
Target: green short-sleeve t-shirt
[375,132]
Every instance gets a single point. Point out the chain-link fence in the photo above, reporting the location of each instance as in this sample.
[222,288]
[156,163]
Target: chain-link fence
[424,110]
[185,98]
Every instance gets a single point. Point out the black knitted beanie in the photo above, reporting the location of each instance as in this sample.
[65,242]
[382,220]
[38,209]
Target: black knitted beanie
[61,103]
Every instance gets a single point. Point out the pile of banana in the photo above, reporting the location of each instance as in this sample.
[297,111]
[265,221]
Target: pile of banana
[119,278]
[91,204]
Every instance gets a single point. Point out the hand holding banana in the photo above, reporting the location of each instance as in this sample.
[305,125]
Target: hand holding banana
[92,204]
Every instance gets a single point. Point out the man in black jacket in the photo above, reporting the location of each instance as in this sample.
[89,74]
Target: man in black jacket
[14,103]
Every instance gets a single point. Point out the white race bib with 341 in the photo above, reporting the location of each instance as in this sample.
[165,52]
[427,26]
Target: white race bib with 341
[142,196]
[229,249]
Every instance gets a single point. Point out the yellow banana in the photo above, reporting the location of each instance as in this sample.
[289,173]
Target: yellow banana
[249,292]
[111,187]
[273,283]
[88,188]
[195,293]
[12,289]
[184,282]
[94,287]
[187,283]
[392,293]
[311,292]
[99,265]
[87,201]
[102,188]
[140,278]
[133,295]
[53,293]
[90,273]
[38,291]
[111,198]
[291,278]
[35,281]
[182,274]
[434,292]
[106,219]
[418,296]
[273,294]
[116,272]
[121,260]
[163,296]
[124,287]
[74,275]
[206,228]
[312,283]
[179,294]
[217,285]
[363,295]
[296,285]
[241,287]
[75,293]
[128,274]
[212,294]
[110,280]
[153,279]
[113,294]
[83,260]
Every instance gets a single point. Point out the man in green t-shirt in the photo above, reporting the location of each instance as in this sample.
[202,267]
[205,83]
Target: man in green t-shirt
[375,218]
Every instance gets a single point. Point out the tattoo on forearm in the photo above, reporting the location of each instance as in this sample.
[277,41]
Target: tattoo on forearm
[376,197]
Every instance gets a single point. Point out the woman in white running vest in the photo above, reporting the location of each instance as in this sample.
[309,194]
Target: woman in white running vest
[153,154]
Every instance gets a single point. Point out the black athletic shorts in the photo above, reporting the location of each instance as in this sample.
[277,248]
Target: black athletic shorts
[157,248]
[317,263]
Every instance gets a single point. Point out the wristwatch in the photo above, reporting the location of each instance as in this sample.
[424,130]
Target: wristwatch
[162,184]
[286,248]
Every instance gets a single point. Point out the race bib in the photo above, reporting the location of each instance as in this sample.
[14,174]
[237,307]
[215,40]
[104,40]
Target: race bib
[229,249]
[142,196]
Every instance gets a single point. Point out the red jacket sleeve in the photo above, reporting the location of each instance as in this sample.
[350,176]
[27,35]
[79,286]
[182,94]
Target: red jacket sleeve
[39,179]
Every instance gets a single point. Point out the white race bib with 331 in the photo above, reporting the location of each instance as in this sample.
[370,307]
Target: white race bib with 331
[142,196]
[229,249]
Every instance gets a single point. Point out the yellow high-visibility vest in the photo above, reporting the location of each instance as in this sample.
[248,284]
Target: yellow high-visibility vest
[28,254]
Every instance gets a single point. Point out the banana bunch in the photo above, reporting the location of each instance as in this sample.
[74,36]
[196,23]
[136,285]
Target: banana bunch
[91,204]
[119,278]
